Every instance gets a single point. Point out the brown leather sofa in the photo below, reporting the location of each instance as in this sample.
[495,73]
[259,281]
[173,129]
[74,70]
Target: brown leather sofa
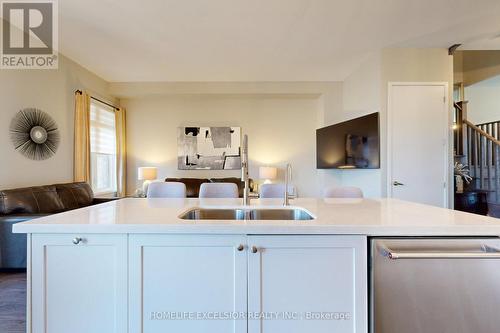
[193,184]
[23,204]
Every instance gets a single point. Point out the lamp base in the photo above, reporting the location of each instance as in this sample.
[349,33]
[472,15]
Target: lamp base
[145,186]
[139,193]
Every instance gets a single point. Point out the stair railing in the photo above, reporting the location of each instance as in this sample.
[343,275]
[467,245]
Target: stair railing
[492,128]
[479,145]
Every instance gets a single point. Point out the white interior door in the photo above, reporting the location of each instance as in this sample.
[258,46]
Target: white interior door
[418,143]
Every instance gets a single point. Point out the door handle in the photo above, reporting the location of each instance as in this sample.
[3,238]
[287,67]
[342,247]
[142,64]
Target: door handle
[396,183]
[77,240]
[485,252]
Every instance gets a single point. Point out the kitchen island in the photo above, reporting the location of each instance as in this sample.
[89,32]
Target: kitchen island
[134,265]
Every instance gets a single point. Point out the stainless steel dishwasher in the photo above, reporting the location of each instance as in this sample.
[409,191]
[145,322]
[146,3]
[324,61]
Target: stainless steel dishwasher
[429,285]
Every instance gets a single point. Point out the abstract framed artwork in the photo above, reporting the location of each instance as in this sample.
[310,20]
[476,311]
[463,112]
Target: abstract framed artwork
[209,148]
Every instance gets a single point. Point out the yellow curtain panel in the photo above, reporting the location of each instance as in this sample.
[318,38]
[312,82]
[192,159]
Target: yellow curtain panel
[121,151]
[81,163]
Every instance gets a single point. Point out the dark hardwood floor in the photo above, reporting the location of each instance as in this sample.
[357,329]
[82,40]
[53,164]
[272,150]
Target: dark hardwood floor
[12,302]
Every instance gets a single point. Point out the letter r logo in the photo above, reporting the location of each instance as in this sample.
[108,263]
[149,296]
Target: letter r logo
[27,27]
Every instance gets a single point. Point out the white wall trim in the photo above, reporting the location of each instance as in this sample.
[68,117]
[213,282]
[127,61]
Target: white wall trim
[447,170]
[29,309]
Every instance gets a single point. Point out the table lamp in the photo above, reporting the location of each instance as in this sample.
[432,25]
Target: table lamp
[147,174]
[267,173]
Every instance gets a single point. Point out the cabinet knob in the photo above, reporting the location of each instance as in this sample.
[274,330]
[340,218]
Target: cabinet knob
[240,247]
[77,240]
[255,249]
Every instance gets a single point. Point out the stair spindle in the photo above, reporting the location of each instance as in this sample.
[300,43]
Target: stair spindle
[478,156]
[469,147]
[488,163]
[497,179]
[481,160]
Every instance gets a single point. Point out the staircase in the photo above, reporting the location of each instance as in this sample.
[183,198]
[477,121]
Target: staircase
[478,147]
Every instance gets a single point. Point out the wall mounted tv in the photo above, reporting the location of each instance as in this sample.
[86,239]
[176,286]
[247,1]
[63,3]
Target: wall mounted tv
[352,144]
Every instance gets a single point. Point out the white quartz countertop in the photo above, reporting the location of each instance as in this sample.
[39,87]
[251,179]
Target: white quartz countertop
[381,217]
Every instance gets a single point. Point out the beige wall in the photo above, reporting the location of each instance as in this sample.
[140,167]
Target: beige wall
[475,66]
[246,104]
[281,129]
[366,90]
[361,96]
[479,71]
[53,92]
[458,67]
[484,101]
[415,65]
[280,117]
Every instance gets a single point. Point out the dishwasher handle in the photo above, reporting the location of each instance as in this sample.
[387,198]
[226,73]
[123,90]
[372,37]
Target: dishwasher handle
[486,252]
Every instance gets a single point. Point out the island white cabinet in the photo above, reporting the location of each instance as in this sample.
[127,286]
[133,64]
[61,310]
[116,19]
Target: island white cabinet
[153,283]
[181,283]
[255,284]
[303,284]
[78,283]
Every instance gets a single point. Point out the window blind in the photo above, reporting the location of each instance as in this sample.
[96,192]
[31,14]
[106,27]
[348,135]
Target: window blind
[102,148]
[102,129]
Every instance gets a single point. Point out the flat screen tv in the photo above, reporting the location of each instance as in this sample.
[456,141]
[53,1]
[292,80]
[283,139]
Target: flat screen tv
[352,144]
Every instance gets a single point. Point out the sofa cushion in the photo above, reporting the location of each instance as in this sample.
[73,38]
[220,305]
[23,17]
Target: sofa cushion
[30,200]
[75,195]
[192,185]
[13,246]
[237,181]
[16,218]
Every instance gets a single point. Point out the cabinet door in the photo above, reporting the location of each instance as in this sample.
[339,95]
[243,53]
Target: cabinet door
[304,284]
[79,288]
[187,284]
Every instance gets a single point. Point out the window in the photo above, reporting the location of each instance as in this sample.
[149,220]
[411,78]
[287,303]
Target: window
[102,148]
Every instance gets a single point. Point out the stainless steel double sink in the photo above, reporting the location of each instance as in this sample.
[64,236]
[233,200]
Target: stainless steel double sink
[295,214]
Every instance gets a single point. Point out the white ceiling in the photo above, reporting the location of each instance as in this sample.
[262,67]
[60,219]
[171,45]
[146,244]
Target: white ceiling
[257,40]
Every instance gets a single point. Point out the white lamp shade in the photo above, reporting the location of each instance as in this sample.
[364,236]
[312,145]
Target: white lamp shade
[147,173]
[268,172]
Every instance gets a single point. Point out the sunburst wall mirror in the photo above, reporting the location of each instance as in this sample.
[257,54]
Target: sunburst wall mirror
[34,134]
